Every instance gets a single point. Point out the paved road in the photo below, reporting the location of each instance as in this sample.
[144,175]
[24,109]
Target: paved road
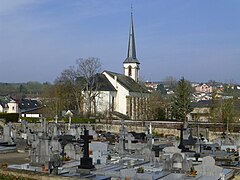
[14,158]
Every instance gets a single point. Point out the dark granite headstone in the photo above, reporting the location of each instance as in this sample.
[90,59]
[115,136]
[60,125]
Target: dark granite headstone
[86,161]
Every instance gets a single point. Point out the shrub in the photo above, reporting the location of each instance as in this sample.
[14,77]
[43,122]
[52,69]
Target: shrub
[9,117]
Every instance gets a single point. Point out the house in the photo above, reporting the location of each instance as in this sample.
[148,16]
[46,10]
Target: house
[203,88]
[30,108]
[201,111]
[8,105]
[121,94]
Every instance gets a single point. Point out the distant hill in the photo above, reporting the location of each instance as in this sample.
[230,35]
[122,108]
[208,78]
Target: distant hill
[19,90]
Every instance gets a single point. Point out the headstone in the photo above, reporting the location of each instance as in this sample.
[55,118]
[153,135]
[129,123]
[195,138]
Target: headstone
[148,154]
[208,167]
[99,151]
[181,145]
[40,153]
[167,163]
[177,161]
[86,161]
[73,150]
[7,134]
[121,144]
[129,140]
[55,132]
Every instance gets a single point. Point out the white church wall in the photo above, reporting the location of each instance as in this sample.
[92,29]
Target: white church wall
[121,94]
[104,101]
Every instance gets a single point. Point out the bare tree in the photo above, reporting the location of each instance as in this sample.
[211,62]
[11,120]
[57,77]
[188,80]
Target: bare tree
[70,89]
[88,68]
[171,82]
[77,83]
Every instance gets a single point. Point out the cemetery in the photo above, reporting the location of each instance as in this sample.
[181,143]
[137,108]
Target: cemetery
[82,151]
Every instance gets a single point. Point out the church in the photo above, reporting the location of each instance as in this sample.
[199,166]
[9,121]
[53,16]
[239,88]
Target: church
[122,95]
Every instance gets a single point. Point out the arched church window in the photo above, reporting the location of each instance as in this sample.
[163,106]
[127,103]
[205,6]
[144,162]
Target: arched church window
[129,70]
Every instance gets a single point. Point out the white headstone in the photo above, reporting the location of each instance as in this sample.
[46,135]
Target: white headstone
[208,167]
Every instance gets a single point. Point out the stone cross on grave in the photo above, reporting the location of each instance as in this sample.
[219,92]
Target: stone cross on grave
[86,161]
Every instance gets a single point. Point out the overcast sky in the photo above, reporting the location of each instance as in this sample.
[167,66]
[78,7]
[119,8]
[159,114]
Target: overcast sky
[197,39]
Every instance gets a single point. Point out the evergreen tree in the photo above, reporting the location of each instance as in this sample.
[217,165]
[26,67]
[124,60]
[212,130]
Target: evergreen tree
[181,101]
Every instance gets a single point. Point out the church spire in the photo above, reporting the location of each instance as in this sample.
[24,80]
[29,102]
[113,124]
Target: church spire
[131,56]
[131,65]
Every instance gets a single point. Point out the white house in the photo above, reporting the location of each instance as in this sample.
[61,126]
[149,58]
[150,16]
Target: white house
[13,107]
[9,105]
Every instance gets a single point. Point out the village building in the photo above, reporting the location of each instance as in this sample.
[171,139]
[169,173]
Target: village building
[121,94]
[203,88]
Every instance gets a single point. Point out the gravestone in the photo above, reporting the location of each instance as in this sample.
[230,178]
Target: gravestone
[181,144]
[99,152]
[86,161]
[7,134]
[167,163]
[177,161]
[72,150]
[55,132]
[121,143]
[208,167]
[148,154]
[129,140]
[40,153]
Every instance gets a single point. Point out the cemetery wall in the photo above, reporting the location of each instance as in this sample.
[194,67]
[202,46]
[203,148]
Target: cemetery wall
[161,129]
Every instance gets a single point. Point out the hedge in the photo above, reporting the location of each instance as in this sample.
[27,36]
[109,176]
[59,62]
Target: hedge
[80,120]
[30,119]
[10,117]
[74,120]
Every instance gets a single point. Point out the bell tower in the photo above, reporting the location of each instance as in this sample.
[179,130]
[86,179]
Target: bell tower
[131,64]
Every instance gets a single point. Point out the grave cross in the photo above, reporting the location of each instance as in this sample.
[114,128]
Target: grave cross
[86,137]
[181,144]
[86,161]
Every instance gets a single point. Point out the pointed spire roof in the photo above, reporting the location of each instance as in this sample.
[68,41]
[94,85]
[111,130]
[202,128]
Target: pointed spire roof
[131,56]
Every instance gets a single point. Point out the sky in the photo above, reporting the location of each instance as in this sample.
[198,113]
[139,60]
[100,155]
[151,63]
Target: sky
[195,39]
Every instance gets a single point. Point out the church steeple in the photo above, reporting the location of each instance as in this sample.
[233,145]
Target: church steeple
[131,63]
[131,56]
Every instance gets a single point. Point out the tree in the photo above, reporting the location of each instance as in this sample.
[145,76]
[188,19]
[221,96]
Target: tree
[157,106]
[181,101]
[215,108]
[70,89]
[171,82]
[77,84]
[224,110]
[88,68]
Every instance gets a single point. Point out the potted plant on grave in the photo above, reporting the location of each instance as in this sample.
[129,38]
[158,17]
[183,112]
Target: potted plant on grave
[140,170]
[192,172]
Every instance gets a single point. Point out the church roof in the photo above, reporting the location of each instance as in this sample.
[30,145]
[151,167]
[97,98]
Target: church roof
[128,82]
[102,83]
[98,82]
[131,56]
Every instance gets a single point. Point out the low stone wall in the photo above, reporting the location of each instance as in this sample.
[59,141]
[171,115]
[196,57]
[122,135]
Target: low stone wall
[157,127]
